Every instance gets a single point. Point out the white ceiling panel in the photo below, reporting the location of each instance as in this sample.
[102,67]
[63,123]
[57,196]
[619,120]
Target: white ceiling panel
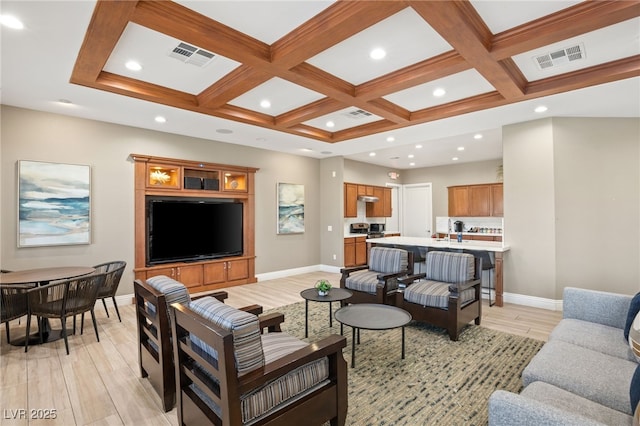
[350,59]
[282,95]
[598,49]
[266,21]
[151,49]
[500,15]
[457,86]
[343,119]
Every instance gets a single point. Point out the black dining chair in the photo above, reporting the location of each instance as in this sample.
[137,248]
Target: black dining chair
[62,299]
[13,303]
[114,271]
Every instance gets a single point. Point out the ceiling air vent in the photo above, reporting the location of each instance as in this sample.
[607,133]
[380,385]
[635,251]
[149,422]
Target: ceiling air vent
[560,57]
[192,55]
[357,114]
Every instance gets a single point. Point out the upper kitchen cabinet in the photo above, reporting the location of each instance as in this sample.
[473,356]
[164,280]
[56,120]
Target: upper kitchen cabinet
[476,200]
[380,208]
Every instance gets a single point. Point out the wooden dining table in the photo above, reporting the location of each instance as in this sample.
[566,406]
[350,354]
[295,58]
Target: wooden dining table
[43,276]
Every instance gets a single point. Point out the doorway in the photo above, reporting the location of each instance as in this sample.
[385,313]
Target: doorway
[417,210]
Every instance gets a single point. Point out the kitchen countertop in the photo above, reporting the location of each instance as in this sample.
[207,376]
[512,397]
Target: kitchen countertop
[494,246]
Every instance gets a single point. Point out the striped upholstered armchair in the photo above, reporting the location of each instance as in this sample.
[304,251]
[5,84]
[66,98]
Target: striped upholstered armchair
[377,281]
[229,373]
[449,296]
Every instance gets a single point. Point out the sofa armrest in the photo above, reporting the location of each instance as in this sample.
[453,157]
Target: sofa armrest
[508,409]
[596,306]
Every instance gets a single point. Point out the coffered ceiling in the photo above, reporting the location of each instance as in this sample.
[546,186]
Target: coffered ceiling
[299,73]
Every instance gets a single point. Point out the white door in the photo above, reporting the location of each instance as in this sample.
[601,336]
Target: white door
[417,217]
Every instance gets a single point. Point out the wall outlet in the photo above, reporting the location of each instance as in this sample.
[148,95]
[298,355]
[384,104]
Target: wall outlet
[329,228]
[335,257]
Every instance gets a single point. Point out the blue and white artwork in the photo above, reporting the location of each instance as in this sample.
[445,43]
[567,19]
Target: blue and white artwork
[54,206]
[290,208]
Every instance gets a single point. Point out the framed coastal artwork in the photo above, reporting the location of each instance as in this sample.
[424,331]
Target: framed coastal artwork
[54,204]
[290,208]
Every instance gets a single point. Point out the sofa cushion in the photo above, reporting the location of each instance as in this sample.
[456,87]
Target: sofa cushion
[634,308]
[564,400]
[449,267]
[247,345]
[590,335]
[593,375]
[367,282]
[634,391]
[386,260]
[634,338]
[435,294]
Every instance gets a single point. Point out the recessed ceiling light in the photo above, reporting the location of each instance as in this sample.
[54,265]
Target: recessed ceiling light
[377,53]
[410,156]
[160,119]
[306,150]
[412,164]
[418,146]
[12,22]
[372,154]
[133,66]
[439,92]
[540,109]
[265,103]
[330,124]
[455,158]
[461,148]
[391,139]
[65,101]
[477,136]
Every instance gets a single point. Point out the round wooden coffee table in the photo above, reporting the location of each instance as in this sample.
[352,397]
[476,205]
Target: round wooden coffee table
[334,295]
[371,316]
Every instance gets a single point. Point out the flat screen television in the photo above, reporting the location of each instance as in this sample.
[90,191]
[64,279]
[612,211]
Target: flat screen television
[187,229]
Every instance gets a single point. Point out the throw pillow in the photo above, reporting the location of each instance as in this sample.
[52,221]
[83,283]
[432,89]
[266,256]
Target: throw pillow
[634,390]
[634,308]
[634,337]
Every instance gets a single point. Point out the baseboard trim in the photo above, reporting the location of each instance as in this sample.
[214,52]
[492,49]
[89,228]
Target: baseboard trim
[533,301]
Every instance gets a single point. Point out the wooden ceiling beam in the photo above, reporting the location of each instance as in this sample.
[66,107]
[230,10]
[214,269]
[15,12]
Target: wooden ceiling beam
[308,112]
[107,24]
[232,85]
[422,72]
[462,27]
[571,22]
[179,22]
[336,23]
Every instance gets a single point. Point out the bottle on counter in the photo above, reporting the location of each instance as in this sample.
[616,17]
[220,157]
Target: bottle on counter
[459,237]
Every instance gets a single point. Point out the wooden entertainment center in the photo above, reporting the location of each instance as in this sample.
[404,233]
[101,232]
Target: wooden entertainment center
[169,177]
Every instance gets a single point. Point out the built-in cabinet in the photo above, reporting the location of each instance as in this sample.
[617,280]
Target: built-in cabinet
[380,208]
[158,176]
[476,200]
[355,251]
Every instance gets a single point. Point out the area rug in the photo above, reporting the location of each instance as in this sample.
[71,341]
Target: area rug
[439,382]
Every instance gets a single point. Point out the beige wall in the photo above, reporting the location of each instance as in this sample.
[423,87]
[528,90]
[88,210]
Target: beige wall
[31,135]
[571,185]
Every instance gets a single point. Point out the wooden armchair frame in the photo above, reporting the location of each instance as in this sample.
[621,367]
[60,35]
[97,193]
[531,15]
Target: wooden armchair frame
[326,403]
[154,331]
[456,316]
[383,295]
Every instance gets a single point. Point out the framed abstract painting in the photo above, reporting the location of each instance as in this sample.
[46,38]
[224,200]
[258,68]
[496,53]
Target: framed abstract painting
[290,208]
[54,204]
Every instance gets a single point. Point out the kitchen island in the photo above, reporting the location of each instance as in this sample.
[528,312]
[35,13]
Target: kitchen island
[498,248]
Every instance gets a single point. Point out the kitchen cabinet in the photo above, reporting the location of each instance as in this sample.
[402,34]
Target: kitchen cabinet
[355,251]
[351,200]
[380,208]
[476,200]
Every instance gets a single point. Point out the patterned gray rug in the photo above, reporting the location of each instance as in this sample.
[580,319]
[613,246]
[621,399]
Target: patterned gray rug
[439,381]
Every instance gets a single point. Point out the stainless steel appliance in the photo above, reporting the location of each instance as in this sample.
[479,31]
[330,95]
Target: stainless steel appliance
[458,226]
[365,229]
[377,227]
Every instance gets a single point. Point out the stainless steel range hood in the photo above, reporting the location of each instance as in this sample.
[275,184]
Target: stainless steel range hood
[368,198]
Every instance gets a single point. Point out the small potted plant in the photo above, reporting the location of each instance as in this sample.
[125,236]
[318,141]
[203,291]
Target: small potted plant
[323,287]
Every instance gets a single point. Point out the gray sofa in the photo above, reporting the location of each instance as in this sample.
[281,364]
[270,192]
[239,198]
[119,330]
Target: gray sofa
[582,375]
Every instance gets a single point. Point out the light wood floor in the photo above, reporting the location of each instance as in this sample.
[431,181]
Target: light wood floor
[99,382]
